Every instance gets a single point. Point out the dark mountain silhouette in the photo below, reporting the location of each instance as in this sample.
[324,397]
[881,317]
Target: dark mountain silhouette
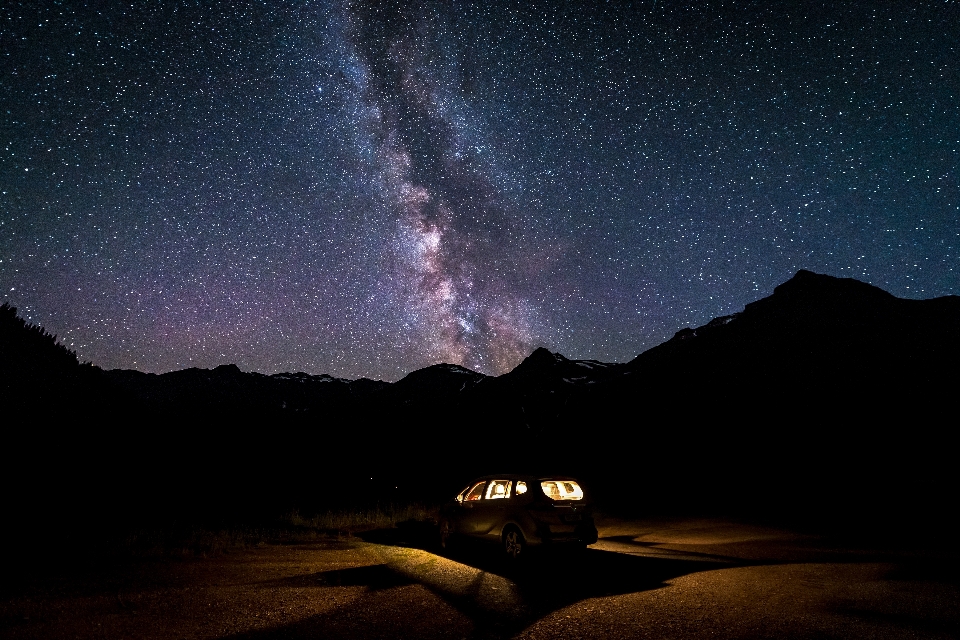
[817,335]
[434,382]
[228,389]
[829,396]
[36,371]
[545,367]
[27,350]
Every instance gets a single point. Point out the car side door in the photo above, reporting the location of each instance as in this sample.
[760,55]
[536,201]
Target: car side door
[466,522]
[490,511]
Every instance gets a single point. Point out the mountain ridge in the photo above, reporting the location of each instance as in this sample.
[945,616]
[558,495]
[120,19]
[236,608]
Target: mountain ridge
[810,318]
[828,396]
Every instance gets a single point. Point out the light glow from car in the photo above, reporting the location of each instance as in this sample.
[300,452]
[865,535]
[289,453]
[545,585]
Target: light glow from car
[498,489]
[562,489]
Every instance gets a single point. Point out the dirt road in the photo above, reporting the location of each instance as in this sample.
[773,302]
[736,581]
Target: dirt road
[675,579]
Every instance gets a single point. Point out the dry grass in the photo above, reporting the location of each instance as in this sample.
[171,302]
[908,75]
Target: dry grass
[292,528]
[354,520]
[188,542]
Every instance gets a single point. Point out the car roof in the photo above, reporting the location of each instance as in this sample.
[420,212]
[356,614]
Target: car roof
[521,476]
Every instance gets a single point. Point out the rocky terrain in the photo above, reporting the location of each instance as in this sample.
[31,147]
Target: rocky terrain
[667,578]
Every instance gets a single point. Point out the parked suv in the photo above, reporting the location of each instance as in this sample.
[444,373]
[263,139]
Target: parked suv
[520,511]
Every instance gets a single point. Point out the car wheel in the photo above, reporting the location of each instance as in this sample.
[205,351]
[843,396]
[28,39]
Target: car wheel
[445,535]
[513,543]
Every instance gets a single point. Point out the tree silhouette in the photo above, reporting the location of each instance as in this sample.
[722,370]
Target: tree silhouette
[27,349]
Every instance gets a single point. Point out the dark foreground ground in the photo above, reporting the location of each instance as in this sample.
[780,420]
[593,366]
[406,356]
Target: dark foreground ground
[678,578]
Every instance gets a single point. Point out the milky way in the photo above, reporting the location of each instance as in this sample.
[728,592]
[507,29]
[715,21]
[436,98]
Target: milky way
[364,189]
[451,258]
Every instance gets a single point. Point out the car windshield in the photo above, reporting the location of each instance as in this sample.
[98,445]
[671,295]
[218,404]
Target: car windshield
[475,493]
[562,489]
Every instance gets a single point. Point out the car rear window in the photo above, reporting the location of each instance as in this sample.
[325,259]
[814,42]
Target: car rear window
[562,489]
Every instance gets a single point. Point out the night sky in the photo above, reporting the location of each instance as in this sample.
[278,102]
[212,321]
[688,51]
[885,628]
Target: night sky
[364,189]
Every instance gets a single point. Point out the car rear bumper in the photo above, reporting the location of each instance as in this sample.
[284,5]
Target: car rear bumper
[582,533]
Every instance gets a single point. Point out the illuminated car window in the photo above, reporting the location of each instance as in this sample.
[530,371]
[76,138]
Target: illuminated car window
[461,495]
[521,487]
[498,489]
[475,493]
[562,490]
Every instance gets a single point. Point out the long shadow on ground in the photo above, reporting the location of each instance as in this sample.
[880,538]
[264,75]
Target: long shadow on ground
[499,599]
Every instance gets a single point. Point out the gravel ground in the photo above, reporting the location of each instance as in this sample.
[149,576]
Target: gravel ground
[643,579]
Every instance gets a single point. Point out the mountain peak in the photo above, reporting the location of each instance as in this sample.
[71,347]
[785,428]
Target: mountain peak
[808,283]
[441,377]
[538,362]
[542,356]
[227,369]
[445,367]
[809,320]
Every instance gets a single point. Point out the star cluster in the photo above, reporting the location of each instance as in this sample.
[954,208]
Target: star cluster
[366,188]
